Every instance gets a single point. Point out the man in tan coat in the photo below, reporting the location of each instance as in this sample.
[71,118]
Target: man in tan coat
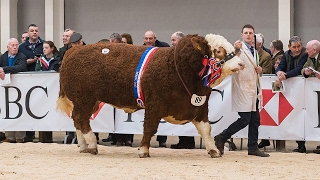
[246,95]
[264,57]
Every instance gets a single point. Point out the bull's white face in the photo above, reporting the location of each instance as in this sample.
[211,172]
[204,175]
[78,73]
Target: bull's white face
[229,67]
[233,65]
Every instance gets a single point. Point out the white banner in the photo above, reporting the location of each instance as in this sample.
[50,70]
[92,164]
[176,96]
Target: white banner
[29,103]
[312,109]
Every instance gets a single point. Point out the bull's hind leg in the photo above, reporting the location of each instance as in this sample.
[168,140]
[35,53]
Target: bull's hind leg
[150,127]
[86,139]
[204,129]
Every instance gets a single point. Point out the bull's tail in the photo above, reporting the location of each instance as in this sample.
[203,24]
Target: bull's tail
[63,103]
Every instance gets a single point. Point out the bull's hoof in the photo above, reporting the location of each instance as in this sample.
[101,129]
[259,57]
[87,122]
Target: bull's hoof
[144,155]
[93,151]
[214,153]
[84,150]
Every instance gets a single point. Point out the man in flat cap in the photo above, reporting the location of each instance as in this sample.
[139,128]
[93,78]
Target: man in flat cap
[76,39]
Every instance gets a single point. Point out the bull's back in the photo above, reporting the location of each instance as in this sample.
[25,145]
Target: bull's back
[103,71]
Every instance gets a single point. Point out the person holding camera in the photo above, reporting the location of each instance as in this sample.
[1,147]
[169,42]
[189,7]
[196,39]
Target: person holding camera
[30,48]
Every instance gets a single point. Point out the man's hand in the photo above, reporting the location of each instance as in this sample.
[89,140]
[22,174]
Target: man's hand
[258,69]
[29,61]
[281,75]
[2,74]
[278,83]
[317,75]
[238,44]
[307,71]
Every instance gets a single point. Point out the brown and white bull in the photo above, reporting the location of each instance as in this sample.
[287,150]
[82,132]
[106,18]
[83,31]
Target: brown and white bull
[169,84]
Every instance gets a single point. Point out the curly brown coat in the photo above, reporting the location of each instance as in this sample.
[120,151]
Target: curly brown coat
[87,76]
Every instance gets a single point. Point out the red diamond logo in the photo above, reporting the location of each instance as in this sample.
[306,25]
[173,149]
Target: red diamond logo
[271,117]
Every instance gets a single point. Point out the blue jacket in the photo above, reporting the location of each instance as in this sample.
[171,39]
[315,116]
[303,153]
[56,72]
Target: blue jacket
[292,65]
[25,49]
[20,63]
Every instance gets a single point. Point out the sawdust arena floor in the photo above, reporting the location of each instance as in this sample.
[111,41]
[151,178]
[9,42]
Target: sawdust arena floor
[63,161]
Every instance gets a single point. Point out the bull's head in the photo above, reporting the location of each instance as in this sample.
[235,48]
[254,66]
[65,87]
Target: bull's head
[223,52]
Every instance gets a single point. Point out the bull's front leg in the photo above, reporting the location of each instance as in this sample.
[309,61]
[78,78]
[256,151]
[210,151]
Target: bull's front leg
[150,127]
[204,129]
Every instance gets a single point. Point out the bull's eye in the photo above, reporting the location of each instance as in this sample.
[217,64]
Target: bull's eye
[218,52]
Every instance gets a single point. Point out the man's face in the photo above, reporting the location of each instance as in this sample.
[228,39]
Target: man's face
[272,49]
[114,41]
[312,52]
[13,47]
[66,37]
[24,37]
[247,35]
[78,43]
[33,32]
[149,39]
[258,46]
[296,48]
[174,40]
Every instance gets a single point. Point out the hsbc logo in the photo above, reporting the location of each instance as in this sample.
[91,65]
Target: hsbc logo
[270,115]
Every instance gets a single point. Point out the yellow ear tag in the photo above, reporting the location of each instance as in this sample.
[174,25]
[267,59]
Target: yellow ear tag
[199,47]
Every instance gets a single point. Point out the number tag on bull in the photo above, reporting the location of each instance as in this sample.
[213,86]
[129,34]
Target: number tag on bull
[198,100]
[105,51]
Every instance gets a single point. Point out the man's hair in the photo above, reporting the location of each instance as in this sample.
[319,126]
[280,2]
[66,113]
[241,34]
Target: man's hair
[277,44]
[128,37]
[294,39]
[32,25]
[68,29]
[247,26]
[179,34]
[104,40]
[149,31]
[11,39]
[116,36]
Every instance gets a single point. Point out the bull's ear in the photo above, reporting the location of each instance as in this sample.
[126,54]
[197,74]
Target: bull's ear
[195,43]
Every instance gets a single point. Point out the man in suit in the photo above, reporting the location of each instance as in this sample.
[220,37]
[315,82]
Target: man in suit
[264,57]
[246,92]
[13,62]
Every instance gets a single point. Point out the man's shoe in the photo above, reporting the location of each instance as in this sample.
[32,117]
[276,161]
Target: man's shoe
[182,146]
[317,151]
[162,144]
[219,143]
[2,136]
[8,141]
[128,143]
[19,141]
[108,139]
[300,149]
[258,153]
[119,143]
[28,139]
[264,143]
